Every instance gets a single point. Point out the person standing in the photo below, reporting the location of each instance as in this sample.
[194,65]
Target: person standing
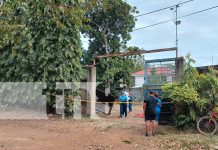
[123,105]
[149,107]
[130,102]
[158,107]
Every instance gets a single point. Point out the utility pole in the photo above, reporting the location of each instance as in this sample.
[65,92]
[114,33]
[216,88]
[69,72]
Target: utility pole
[177,6]
[177,22]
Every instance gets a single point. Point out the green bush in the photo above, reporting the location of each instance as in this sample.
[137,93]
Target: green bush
[195,95]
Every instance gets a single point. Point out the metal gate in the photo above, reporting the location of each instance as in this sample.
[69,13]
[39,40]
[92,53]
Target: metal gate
[157,73]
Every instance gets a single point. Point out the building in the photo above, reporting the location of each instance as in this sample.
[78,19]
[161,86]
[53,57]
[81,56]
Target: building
[205,69]
[138,78]
[160,74]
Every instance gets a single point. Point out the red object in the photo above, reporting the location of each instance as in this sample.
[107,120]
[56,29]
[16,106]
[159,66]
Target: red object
[140,115]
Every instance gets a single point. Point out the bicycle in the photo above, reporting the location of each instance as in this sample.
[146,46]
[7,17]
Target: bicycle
[207,125]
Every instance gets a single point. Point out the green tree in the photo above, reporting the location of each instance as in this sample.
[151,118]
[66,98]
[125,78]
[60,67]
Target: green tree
[40,41]
[44,44]
[108,30]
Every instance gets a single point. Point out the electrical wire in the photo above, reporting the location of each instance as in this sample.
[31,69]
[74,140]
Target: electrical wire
[163,8]
[197,12]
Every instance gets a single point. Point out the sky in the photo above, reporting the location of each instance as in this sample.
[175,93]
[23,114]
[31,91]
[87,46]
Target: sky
[197,34]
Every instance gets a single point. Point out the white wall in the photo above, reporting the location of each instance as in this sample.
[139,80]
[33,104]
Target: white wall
[139,81]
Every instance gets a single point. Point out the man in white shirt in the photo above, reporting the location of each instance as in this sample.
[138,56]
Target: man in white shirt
[127,94]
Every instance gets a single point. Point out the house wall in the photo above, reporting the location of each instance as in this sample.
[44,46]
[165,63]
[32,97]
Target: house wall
[139,81]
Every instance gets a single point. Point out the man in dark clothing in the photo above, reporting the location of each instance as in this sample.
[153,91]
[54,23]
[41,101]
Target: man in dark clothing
[149,109]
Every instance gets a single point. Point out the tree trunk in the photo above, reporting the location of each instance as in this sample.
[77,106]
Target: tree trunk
[107,84]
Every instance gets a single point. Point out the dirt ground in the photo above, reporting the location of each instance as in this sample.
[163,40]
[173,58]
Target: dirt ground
[108,133]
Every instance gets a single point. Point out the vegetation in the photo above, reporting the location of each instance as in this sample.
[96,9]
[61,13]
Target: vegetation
[120,69]
[195,95]
[40,41]
[43,41]
[108,29]
[155,78]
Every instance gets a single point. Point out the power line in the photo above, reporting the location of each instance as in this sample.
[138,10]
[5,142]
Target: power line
[197,12]
[163,8]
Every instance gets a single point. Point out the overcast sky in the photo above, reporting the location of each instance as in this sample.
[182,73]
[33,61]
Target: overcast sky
[198,34]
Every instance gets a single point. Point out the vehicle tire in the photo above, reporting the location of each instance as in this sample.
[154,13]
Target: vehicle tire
[205,128]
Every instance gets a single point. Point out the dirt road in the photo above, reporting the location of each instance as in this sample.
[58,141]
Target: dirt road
[109,133]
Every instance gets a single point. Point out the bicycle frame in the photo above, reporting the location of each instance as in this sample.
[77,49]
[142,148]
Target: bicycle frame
[214,115]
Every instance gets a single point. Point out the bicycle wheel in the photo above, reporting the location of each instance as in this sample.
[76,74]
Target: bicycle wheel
[205,127]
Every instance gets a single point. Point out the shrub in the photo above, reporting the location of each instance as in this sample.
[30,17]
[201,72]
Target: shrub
[194,95]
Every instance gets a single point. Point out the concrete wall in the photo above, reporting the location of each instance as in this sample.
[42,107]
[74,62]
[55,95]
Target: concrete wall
[137,93]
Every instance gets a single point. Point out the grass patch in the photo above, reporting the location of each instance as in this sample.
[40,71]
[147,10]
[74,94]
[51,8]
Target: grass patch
[187,141]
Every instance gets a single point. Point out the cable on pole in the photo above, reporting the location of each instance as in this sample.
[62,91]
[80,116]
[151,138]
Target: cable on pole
[163,9]
[197,12]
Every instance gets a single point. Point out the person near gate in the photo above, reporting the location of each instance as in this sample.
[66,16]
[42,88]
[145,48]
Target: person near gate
[158,107]
[130,102]
[123,104]
[149,108]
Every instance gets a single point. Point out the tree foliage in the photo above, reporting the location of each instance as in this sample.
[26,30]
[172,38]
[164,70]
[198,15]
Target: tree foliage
[155,78]
[195,95]
[40,41]
[118,70]
[108,29]
[109,26]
